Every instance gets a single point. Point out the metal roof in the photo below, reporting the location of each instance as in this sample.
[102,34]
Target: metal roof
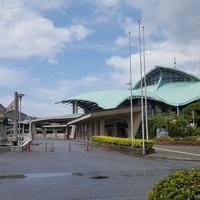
[99,100]
[175,93]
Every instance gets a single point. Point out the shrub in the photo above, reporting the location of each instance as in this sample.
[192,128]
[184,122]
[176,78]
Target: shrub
[192,110]
[176,125]
[190,138]
[184,185]
[138,143]
[163,139]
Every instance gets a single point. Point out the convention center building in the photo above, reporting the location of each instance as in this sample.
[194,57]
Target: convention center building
[109,112]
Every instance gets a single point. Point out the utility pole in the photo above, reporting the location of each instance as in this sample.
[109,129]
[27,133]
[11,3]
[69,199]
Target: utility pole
[15,117]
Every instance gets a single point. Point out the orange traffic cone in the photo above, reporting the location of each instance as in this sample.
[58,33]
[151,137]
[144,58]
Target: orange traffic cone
[86,147]
[29,147]
[107,147]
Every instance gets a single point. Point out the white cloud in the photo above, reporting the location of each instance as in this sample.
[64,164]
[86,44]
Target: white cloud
[26,33]
[62,89]
[108,3]
[14,78]
[47,4]
[45,109]
[53,60]
[79,32]
[170,30]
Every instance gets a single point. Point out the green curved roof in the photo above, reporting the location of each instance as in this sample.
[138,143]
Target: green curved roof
[173,93]
[104,99]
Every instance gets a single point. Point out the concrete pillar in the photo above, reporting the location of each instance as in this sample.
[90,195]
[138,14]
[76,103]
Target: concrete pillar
[44,133]
[33,130]
[128,121]
[90,130]
[23,128]
[66,132]
[75,107]
[137,118]
[55,132]
[96,128]
[78,133]
[82,132]
[115,129]
[102,127]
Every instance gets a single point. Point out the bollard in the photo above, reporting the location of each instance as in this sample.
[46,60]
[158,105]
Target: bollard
[29,147]
[70,146]
[91,145]
[45,146]
[52,147]
[86,147]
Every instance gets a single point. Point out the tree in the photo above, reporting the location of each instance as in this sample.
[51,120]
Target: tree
[187,113]
[176,125]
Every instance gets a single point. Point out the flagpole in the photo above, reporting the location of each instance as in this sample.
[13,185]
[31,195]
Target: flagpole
[145,86]
[131,85]
[142,106]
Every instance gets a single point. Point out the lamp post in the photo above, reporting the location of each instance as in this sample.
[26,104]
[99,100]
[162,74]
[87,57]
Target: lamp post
[19,125]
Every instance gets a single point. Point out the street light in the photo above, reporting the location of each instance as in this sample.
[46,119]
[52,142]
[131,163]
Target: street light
[19,125]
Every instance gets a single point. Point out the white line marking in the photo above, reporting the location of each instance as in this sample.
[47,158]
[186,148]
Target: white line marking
[181,152]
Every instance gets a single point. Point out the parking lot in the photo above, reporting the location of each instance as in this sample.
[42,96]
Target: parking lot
[74,173]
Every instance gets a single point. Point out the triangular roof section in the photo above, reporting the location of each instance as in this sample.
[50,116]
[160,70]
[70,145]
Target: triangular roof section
[161,70]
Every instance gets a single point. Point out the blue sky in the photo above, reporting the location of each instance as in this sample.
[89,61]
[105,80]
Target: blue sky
[51,50]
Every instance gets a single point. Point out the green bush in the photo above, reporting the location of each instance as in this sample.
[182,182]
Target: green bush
[187,138]
[190,138]
[176,125]
[163,139]
[191,109]
[138,143]
[181,185]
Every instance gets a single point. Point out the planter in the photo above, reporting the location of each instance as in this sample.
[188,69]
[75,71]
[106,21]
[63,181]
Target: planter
[125,149]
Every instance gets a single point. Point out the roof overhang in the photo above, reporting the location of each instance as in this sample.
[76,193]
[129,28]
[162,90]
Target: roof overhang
[55,126]
[111,113]
[66,118]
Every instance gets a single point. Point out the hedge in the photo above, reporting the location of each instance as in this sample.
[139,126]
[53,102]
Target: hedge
[137,143]
[181,185]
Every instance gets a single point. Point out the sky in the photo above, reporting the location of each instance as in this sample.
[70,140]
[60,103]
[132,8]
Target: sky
[51,50]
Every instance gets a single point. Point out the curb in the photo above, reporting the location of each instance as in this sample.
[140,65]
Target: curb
[173,158]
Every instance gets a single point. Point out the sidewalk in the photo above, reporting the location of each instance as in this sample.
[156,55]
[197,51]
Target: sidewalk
[189,153]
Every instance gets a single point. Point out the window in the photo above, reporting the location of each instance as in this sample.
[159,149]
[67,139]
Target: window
[153,80]
[170,77]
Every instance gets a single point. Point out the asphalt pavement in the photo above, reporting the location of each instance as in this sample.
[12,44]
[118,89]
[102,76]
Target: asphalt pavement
[71,172]
[174,152]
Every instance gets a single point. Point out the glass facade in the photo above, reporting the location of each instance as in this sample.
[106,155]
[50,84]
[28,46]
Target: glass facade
[153,80]
[167,77]
[170,77]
